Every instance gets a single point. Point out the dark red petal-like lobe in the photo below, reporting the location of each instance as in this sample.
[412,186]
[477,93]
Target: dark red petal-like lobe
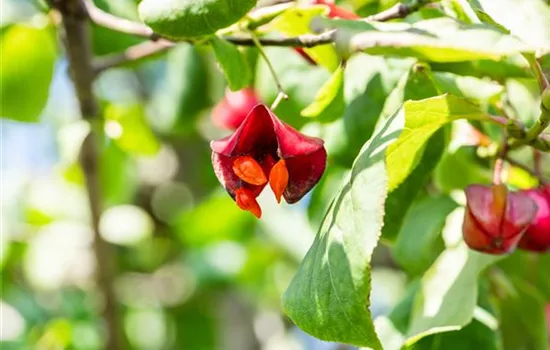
[256,135]
[476,238]
[487,205]
[293,143]
[537,235]
[304,172]
[520,211]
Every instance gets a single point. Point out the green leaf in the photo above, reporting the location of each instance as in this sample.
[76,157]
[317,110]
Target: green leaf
[523,324]
[27,63]
[437,40]
[232,62]
[296,21]
[324,192]
[392,328]
[472,170]
[369,80]
[263,15]
[422,119]
[126,125]
[419,241]
[475,335]
[524,100]
[526,19]
[106,41]
[417,84]
[329,295]
[468,87]
[329,102]
[448,292]
[188,19]
[500,70]
[532,267]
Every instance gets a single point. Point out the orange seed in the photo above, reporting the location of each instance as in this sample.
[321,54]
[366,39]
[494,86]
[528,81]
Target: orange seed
[248,170]
[278,179]
[246,201]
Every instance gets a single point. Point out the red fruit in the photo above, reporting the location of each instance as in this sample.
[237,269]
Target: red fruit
[265,147]
[230,112]
[495,218]
[537,236]
[548,317]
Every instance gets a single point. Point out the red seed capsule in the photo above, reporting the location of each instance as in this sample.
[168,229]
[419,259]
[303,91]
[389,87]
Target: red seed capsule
[537,235]
[495,219]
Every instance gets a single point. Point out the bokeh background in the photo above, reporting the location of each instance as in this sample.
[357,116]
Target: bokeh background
[191,270]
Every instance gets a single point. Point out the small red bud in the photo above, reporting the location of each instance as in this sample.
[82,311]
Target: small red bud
[230,112]
[495,219]
[537,236]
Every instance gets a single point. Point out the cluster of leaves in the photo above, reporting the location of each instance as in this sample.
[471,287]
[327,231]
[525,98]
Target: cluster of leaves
[398,120]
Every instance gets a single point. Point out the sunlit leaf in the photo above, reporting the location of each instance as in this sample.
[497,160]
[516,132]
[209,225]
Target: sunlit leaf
[438,40]
[329,102]
[454,277]
[329,295]
[468,87]
[27,64]
[418,84]
[422,119]
[524,99]
[526,19]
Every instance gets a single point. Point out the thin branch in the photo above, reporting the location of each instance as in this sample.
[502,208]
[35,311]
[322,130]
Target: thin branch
[518,134]
[399,10]
[132,54]
[140,51]
[122,25]
[78,47]
[306,40]
[536,68]
[282,94]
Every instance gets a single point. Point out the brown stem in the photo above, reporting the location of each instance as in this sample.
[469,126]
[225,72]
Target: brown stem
[399,10]
[132,54]
[78,47]
[518,134]
[122,25]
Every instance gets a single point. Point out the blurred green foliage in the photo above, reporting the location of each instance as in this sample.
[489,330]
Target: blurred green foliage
[193,271]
